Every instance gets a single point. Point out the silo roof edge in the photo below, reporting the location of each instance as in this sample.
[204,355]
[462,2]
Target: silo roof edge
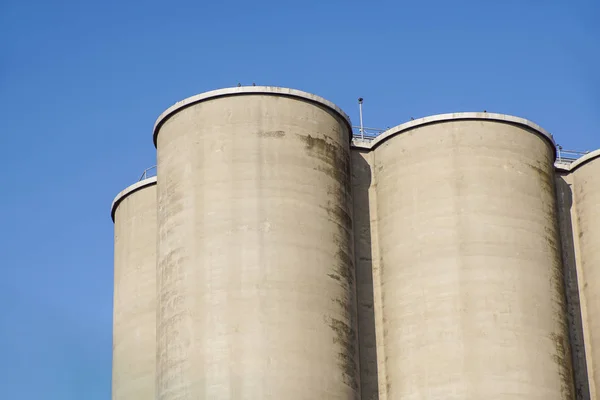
[582,160]
[454,117]
[562,168]
[241,90]
[129,190]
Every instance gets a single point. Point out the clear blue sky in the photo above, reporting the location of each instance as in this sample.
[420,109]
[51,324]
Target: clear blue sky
[81,84]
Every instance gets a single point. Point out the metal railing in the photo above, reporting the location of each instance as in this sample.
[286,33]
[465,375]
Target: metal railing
[365,132]
[148,173]
[566,157]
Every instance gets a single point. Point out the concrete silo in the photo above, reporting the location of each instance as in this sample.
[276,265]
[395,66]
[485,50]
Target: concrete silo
[255,270]
[585,221]
[470,267]
[134,317]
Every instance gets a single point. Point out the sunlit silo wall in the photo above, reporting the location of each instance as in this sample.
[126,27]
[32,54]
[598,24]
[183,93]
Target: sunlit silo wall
[471,273]
[255,255]
[134,316]
[585,177]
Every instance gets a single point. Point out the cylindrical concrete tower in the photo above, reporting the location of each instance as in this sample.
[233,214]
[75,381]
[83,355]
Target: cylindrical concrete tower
[471,273]
[585,176]
[134,318]
[255,270]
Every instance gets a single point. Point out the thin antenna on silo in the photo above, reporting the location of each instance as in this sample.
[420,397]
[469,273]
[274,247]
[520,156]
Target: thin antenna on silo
[362,129]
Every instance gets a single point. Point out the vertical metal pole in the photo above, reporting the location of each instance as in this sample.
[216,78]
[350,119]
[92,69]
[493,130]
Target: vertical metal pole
[362,129]
[558,148]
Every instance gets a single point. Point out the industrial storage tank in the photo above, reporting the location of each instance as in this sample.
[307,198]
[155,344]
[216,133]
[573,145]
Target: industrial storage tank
[470,264]
[134,316]
[585,176]
[255,270]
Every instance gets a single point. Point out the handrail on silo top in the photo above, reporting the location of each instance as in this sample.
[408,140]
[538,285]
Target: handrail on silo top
[148,172]
[568,156]
[367,133]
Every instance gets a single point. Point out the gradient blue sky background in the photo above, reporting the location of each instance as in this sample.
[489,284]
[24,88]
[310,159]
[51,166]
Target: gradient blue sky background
[81,84]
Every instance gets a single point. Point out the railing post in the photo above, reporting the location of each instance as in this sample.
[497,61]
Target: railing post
[362,130]
[558,149]
[145,173]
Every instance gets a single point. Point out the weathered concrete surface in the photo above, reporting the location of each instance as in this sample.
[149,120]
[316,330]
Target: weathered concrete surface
[255,256]
[575,307]
[134,316]
[368,284]
[247,90]
[471,271]
[586,195]
[459,116]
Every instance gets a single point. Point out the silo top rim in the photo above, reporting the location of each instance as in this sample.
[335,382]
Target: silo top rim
[455,117]
[129,190]
[561,168]
[241,90]
[582,160]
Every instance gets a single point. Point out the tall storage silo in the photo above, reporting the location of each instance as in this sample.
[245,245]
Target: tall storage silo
[585,174]
[255,271]
[471,272]
[134,316]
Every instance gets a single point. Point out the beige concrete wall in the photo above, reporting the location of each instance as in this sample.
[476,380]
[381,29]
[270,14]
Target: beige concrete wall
[575,304]
[586,196]
[426,264]
[368,283]
[255,258]
[471,272]
[134,316]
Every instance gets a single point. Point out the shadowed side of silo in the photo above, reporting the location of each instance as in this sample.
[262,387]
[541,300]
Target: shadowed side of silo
[585,175]
[575,304]
[134,315]
[255,270]
[470,264]
[368,282]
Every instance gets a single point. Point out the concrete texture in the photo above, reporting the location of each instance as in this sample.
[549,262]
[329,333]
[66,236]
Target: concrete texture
[368,284]
[586,233]
[575,307]
[471,272]
[255,255]
[460,116]
[248,90]
[134,317]
[446,259]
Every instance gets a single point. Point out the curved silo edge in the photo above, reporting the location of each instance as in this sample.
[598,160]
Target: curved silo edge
[129,190]
[246,90]
[462,116]
[449,202]
[584,160]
